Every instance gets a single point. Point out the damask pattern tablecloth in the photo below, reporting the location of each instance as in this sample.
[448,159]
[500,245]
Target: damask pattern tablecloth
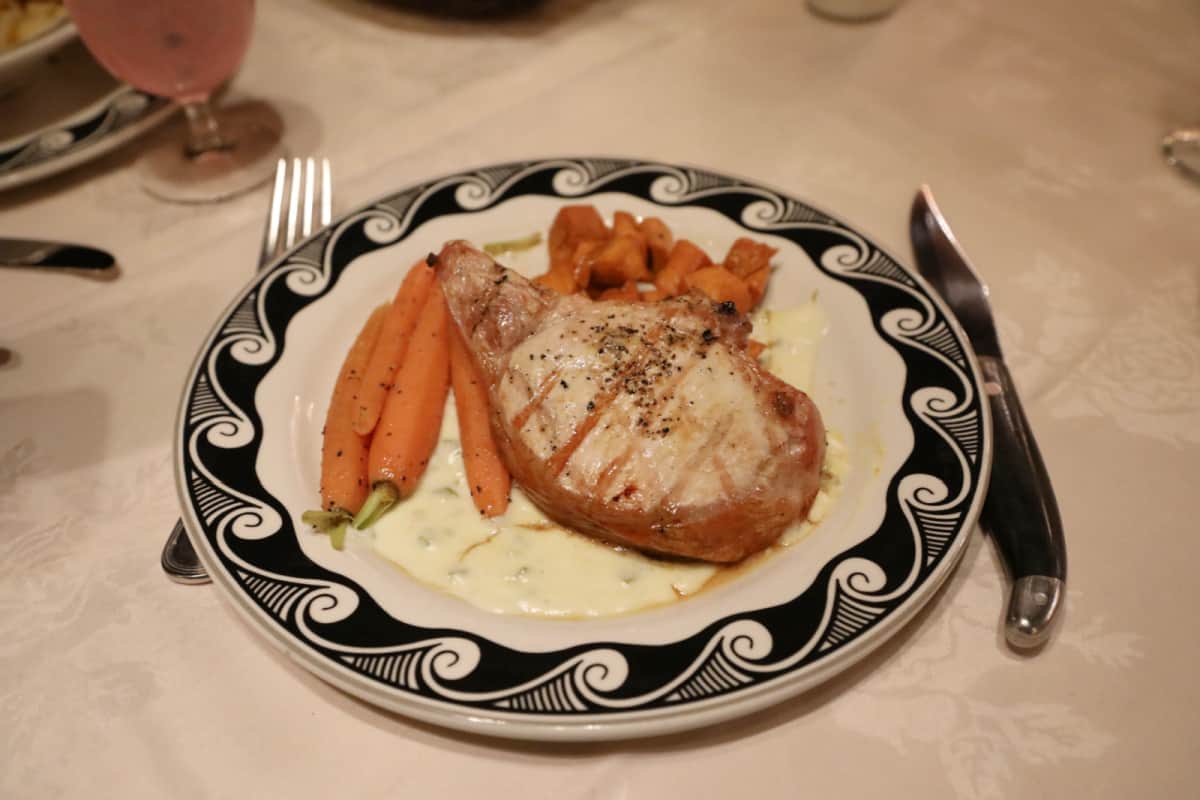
[1037,126]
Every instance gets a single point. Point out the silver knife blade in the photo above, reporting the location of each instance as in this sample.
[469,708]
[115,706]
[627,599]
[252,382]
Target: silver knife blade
[943,263]
[75,258]
[1020,511]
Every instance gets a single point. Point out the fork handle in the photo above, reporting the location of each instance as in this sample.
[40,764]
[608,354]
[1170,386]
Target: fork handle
[1021,513]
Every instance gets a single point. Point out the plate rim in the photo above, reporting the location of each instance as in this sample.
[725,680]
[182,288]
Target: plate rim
[608,724]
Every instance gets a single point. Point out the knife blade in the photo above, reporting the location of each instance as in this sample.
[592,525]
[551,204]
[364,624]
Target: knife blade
[75,258]
[1020,512]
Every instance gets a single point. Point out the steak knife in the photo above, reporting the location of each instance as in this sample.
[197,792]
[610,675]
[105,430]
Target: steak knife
[74,258]
[1019,512]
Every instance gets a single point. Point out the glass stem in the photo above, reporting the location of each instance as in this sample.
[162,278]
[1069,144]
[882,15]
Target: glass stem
[204,135]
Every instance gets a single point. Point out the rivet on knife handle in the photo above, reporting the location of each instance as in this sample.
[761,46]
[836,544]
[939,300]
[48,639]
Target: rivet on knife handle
[1021,514]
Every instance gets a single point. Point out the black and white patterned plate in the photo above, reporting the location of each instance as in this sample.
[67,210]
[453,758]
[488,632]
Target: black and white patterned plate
[68,112]
[894,380]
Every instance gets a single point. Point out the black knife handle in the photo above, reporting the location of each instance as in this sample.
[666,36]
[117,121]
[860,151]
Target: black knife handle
[1021,514]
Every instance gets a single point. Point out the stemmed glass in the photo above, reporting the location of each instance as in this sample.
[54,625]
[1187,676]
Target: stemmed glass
[185,49]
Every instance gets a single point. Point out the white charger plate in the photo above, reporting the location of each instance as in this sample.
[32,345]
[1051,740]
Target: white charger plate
[894,378]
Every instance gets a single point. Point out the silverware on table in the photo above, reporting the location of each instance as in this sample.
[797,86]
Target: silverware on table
[75,259]
[1019,512]
[298,200]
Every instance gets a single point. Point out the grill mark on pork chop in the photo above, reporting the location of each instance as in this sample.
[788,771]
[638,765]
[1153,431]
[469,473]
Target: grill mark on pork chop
[614,467]
[635,365]
[715,435]
[719,466]
[539,398]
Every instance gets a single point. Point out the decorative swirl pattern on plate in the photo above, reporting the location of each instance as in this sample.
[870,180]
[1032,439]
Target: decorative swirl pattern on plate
[120,109]
[931,499]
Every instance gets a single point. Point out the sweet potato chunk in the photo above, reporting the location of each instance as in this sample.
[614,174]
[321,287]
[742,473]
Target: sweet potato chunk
[685,259]
[559,279]
[659,241]
[746,256]
[720,285]
[629,291]
[756,282]
[620,260]
[572,225]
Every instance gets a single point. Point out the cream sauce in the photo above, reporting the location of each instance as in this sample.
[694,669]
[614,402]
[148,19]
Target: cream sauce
[521,563]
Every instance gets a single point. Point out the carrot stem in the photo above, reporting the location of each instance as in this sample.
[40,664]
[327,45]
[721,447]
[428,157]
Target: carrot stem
[332,523]
[383,495]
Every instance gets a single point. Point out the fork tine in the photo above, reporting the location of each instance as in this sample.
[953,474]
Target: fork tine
[326,193]
[310,181]
[293,204]
[275,214]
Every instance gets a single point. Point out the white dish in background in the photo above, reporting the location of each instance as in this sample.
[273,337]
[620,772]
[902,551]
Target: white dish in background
[894,378]
[68,112]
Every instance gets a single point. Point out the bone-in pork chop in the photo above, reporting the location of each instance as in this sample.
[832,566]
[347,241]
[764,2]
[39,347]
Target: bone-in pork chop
[645,424]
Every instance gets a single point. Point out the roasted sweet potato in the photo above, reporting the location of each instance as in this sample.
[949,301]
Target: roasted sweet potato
[659,241]
[756,282]
[559,279]
[620,260]
[746,256]
[572,225]
[721,285]
[629,291]
[685,259]
[624,224]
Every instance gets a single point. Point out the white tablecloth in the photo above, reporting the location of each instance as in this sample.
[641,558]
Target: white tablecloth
[1037,125]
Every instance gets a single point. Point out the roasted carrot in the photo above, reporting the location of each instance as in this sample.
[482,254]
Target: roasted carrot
[393,341]
[412,414]
[486,474]
[344,452]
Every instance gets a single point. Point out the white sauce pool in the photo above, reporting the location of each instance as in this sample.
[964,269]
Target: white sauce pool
[521,563]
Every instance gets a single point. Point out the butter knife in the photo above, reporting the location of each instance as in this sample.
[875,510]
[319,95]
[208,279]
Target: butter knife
[1019,512]
[76,259]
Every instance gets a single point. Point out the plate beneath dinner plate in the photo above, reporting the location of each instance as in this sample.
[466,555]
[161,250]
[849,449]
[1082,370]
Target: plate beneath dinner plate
[894,379]
[69,112]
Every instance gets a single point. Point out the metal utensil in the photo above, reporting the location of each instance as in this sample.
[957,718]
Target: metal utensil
[1020,512]
[76,259]
[298,199]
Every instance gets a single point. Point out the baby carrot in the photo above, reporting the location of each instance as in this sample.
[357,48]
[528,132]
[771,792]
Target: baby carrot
[344,452]
[393,341]
[412,414]
[486,473]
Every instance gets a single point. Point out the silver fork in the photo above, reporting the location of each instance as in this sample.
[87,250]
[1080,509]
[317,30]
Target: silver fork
[300,196]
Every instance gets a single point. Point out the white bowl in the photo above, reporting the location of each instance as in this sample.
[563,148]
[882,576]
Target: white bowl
[20,63]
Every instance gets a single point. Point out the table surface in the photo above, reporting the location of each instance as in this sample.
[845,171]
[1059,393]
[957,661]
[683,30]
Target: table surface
[1037,125]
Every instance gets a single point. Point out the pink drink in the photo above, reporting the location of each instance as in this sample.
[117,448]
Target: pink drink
[183,49]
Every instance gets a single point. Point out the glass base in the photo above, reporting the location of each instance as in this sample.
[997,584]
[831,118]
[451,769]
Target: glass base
[1181,149]
[254,132]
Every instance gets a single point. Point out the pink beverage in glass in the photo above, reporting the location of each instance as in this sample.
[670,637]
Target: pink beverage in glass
[183,49]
